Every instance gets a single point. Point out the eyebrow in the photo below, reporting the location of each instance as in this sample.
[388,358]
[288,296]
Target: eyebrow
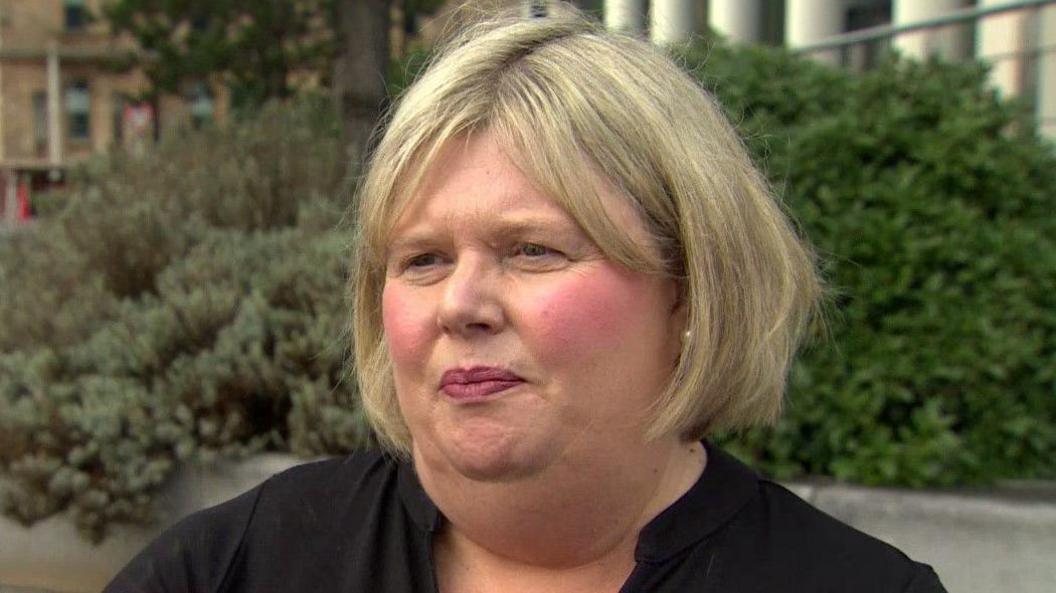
[517,225]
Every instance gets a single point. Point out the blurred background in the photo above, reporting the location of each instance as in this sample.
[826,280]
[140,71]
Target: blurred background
[175,177]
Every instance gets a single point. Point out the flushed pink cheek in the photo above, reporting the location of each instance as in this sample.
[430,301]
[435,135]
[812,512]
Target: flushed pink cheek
[406,327]
[590,312]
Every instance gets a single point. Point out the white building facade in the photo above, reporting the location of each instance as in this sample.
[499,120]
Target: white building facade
[1017,37]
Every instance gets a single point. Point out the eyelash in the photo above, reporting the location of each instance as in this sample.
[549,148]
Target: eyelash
[415,260]
[424,260]
[545,251]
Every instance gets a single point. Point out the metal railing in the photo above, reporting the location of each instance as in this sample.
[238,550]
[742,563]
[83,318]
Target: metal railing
[1025,68]
[885,32]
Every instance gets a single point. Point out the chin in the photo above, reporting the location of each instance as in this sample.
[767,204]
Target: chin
[496,470]
[494,459]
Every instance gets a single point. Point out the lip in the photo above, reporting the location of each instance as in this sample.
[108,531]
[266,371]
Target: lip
[477,383]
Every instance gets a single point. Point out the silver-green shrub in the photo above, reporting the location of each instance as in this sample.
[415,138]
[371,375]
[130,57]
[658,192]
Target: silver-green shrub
[183,305]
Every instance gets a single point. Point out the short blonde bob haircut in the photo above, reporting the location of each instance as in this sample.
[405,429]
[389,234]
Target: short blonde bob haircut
[586,110]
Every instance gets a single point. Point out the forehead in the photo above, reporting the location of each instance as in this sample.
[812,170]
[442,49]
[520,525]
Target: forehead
[475,177]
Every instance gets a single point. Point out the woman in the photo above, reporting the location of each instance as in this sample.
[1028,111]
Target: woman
[568,274]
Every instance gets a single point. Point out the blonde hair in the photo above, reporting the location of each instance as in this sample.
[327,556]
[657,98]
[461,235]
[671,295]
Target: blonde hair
[574,102]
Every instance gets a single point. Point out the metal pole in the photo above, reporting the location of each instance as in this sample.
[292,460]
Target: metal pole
[54,107]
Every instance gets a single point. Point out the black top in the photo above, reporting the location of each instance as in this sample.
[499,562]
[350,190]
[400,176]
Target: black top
[364,524]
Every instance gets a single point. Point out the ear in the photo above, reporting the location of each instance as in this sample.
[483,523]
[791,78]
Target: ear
[678,298]
[679,316]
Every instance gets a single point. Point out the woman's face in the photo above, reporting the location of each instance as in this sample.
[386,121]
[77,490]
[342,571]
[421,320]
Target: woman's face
[517,347]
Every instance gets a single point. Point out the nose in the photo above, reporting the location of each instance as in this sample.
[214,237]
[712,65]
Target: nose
[471,300]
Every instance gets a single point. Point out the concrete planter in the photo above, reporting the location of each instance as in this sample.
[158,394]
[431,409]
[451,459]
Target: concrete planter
[977,542]
[52,557]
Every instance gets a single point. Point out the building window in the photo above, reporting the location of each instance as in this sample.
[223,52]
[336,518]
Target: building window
[78,110]
[76,14]
[40,123]
[202,105]
[772,30]
[862,56]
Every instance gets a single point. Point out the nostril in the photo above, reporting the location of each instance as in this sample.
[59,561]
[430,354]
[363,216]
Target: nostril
[484,327]
[481,318]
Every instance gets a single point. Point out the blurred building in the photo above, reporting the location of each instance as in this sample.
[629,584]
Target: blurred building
[1017,37]
[62,98]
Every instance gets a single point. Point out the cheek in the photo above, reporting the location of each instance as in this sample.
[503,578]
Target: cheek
[591,312]
[406,325]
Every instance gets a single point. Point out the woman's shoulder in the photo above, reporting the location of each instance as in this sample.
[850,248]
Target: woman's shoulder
[358,473]
[309,500]
[782,538]
[205,550]
[818,535]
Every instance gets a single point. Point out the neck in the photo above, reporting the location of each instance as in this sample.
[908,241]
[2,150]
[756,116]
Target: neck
[573,519]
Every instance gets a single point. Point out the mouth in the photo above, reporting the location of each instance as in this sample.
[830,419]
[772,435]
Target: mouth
[477,383]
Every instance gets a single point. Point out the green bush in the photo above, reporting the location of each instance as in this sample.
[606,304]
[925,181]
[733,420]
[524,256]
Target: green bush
[931,206]
[186,304]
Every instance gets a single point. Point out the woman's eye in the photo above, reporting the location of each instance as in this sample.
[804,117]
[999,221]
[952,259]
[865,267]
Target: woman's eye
[534,250]
[539,258]
[422,260]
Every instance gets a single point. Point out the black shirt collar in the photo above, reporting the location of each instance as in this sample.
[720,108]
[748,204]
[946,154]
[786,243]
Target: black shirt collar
[724,487]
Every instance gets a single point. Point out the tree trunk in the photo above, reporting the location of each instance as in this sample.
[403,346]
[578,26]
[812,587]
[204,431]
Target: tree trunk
[360,68]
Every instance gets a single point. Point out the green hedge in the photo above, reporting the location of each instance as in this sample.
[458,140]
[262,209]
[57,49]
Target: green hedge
[932,206]
[188,304]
